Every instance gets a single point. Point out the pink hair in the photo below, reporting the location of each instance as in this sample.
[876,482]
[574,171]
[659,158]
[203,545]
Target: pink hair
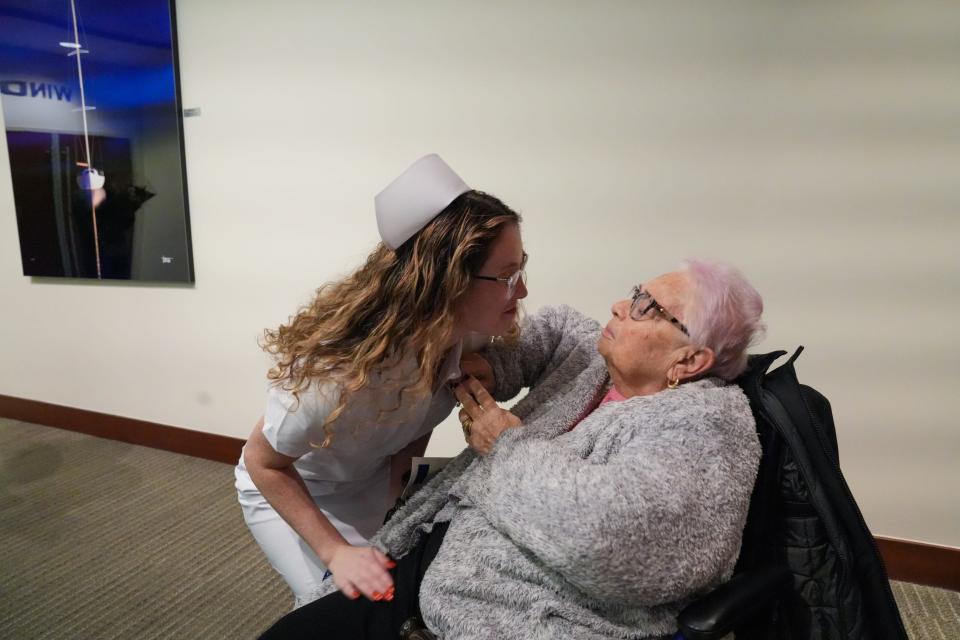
[724,314]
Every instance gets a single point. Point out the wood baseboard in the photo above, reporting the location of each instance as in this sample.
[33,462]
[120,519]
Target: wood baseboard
[103,425]
[906,560]
[921,562]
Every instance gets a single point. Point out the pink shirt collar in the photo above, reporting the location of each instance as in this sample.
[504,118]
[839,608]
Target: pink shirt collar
[612,396]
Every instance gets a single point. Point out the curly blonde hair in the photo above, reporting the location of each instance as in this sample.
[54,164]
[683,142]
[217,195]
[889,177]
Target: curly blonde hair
[397,302]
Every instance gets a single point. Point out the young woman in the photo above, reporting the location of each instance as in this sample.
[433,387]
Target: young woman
[361,377]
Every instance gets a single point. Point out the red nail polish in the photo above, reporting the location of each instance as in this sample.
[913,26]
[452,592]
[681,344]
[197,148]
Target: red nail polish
[389,597]
[377,596]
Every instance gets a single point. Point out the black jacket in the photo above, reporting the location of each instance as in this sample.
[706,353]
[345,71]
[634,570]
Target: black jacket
[803,516]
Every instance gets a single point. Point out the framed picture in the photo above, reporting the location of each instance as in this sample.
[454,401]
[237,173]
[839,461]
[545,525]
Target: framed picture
[91,106]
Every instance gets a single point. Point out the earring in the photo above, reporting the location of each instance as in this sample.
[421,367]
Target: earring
[673,384]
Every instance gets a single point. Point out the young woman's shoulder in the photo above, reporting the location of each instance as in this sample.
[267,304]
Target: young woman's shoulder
[291,422]
[317,397]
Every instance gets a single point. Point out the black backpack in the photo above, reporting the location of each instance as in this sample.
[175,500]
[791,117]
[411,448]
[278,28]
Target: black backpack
[803,516]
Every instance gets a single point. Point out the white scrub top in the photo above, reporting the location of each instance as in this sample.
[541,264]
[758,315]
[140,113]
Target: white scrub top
[349,480]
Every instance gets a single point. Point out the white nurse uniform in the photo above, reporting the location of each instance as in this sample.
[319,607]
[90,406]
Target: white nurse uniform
[349,480]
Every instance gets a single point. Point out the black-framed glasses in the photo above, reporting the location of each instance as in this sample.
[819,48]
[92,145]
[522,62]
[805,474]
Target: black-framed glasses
[511,280]
[642,303]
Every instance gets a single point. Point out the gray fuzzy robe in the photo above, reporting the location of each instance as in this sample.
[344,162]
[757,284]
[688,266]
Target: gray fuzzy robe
[605,531]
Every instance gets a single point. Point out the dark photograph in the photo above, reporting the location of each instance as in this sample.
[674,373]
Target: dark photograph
[92,116]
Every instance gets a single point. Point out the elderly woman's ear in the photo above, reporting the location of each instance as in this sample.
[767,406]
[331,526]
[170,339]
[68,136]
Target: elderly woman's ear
[692,363]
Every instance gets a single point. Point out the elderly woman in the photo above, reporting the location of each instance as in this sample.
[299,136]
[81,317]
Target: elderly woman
[601,503]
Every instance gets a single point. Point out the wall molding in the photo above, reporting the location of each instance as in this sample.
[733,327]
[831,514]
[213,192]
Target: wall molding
[140,432]
[907,560]
[924,563]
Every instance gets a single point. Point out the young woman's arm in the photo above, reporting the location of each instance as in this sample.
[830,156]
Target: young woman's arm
[355,569]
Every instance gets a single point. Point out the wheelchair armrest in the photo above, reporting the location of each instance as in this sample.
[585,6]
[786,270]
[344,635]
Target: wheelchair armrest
[718,612]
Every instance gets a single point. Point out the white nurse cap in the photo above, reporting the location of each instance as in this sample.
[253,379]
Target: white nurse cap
[421,192]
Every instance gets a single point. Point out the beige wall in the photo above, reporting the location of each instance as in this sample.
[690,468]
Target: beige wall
[816,147]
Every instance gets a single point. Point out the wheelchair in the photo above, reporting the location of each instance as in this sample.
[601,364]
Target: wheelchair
[826,582]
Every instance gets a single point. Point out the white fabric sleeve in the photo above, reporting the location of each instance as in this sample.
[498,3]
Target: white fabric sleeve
[290,427]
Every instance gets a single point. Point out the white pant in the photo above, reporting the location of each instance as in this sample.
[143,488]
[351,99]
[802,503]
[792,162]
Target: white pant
[286,551]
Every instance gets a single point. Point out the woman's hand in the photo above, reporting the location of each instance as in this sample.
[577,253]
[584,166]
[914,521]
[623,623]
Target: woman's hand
[482,419]
[362,570]
[473,364]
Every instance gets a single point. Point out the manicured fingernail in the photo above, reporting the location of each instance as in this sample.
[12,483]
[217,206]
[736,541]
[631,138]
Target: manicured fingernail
[355,595]
[389,597]
[377,595]
[392,565]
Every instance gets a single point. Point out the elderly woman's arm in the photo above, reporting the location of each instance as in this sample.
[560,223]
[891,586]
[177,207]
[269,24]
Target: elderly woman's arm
[659,520]
[551,338]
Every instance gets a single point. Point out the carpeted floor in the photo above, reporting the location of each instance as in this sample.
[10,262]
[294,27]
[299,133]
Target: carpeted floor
[929,614]
[102,540]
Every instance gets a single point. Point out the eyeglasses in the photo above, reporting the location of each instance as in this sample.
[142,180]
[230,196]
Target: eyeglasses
[642,303]
[511,280]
